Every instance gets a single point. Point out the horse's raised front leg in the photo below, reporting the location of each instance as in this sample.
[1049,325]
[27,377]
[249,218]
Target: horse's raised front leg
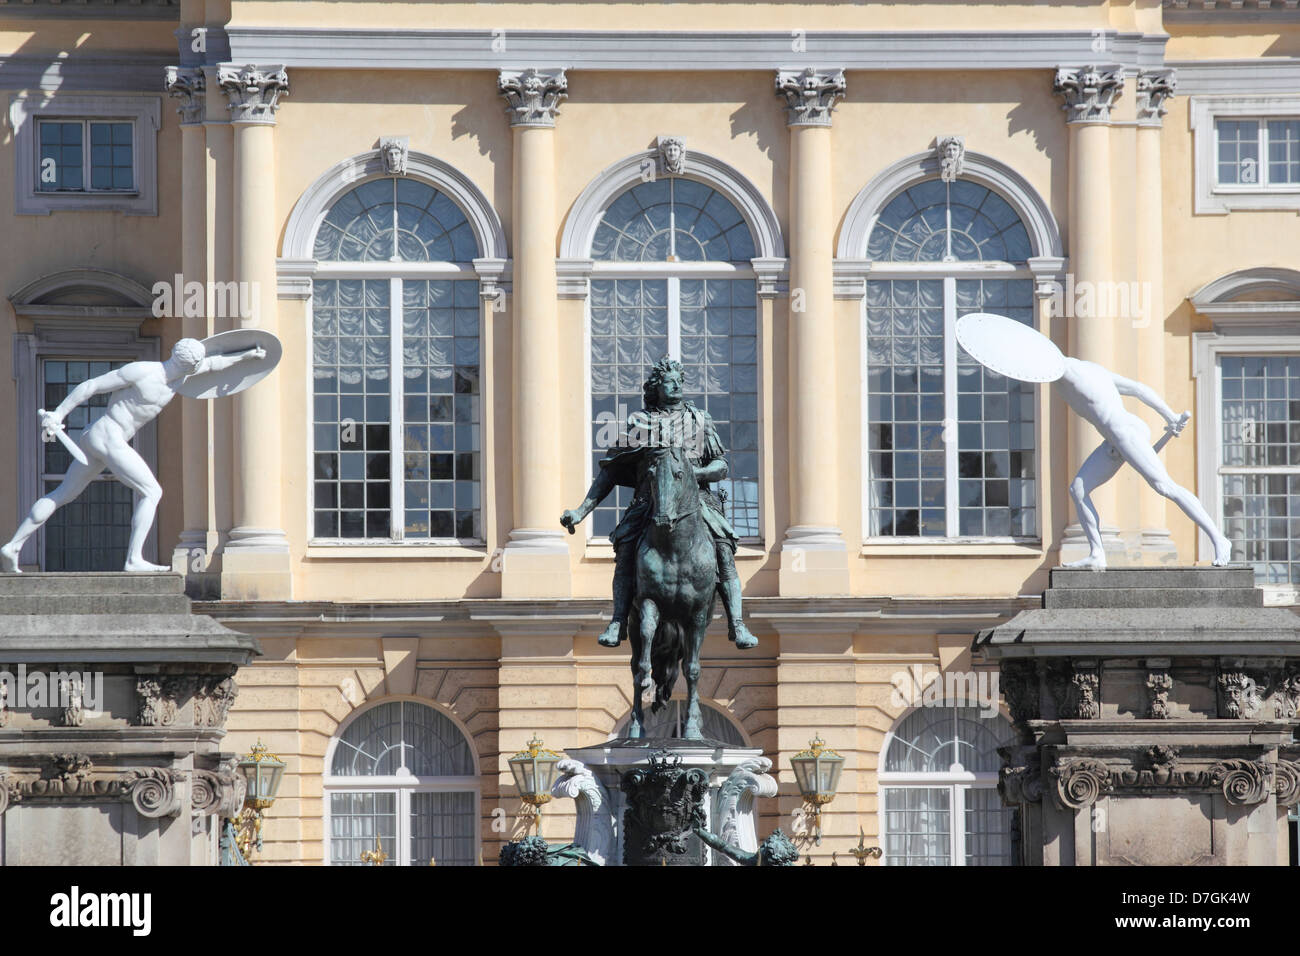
[649,624]
[694,729]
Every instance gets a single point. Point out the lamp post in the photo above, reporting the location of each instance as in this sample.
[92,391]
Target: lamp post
[262,771]
[817,772]
[534,773]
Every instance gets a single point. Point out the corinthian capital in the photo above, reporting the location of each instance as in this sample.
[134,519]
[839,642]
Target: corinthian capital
[1154,87]
[187,84]
[533,96]
[1089,92]
[810,95]
[253,91]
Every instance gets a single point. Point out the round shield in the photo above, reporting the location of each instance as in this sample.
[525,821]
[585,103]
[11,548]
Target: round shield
[1010,348]
[236,378]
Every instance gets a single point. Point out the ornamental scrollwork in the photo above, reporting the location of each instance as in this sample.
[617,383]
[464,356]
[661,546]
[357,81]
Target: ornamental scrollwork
[1080,782]
[1243,782]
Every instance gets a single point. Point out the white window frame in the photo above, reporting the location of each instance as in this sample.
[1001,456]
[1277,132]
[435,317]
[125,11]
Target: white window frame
[950,273]
[957,780]
[1204,112]
[674,272]
[395,273]
[403,783]
[1207,349]
[142,111]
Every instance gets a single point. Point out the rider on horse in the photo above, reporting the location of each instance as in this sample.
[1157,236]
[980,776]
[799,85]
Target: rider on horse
[665,420]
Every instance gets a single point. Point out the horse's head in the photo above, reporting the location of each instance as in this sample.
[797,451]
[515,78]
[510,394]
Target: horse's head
[674,492]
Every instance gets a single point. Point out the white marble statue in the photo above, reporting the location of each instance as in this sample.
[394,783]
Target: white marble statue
[1017,351]
[139,391]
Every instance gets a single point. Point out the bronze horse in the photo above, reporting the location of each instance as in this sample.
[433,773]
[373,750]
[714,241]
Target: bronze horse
[676,587]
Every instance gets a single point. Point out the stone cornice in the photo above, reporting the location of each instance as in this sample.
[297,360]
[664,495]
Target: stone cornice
[1260,75]
[396,49]
[92,9]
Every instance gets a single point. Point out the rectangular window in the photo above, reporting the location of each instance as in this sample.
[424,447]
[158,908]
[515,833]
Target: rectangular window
[92,532]
[74,151]
[711,327]
[397,361]
[951,444]
[1259,463]
[1257,153]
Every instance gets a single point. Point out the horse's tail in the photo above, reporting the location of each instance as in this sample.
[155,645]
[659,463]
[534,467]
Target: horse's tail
[666,661]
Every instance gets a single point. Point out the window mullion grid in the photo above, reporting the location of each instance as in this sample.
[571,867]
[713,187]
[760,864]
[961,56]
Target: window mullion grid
[674,317]
[950,428]
[397,412]
[958,803]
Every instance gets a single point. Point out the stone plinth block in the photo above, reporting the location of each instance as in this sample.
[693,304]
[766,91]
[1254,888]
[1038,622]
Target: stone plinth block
[1155,712]
[113,703]
[619,824]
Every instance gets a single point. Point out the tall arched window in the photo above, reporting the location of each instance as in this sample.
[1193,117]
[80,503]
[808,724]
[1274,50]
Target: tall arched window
[675,278]
[396,368]
[938,788]
[401,775]
[951,443]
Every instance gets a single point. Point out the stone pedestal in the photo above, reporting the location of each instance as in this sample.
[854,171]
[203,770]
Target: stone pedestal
[732,777]
[1155,714]
[113,703]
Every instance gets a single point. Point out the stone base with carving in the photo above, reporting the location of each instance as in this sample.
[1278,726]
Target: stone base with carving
[120,762]
[639,799]
[1155,711]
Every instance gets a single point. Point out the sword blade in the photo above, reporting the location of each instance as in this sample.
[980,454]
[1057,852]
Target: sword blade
[67,442]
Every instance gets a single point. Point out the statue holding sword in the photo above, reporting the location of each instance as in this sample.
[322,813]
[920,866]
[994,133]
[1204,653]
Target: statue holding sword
[1018,351]
[139,391]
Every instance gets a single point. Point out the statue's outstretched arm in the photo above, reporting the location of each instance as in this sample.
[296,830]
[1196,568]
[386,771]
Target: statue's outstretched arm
[1146,395]
[715,470]
[601,486]
[217,363]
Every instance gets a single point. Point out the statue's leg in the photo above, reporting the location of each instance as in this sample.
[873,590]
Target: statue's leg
[73,484]
[1098,469]
[624,586]
[729,590]
[636,726]
[127,465]
[1148,464]
[649,614]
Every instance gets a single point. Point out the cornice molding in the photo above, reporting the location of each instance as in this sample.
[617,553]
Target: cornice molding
[126,72]
[622,50]
[1261,75]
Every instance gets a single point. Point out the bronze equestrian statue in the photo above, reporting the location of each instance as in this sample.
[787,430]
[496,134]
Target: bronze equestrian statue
[674,549]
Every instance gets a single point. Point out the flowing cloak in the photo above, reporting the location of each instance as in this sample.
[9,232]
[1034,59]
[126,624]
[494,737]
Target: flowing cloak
[692,428]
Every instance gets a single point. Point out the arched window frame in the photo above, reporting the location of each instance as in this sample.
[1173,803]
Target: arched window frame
[768,267]
[403,784]
[297,267]
[1045,267]
[957,782]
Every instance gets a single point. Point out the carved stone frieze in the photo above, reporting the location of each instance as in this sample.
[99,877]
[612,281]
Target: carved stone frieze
[1286,782]
[1020,779]
[1243,782]
[217,791]
[1019,679]
[213,698]
[1240,694]
[1079,782]
[72,695]
[1159,684]
[161,695]
[153,791]
[1286,692]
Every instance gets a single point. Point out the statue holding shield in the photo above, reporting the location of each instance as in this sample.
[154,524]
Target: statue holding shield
[221,365]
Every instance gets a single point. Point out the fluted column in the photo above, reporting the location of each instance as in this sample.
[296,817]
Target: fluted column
[1089,93]
[813,555]
[190,555]
[256,559]
[1153,90]
[536,560]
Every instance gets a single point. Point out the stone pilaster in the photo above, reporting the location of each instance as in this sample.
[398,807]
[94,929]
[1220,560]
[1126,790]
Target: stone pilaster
[814,559]
[1154,88]
[256,561]
[536,560]
[1089,93]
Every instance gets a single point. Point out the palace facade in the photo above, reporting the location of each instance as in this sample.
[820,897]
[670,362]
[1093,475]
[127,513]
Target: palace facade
[474,227]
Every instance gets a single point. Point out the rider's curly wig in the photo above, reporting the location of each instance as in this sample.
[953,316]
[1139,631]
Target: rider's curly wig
[650,391]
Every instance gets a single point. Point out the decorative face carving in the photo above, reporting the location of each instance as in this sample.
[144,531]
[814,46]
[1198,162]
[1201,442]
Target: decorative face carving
[672,154]
[393,152]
